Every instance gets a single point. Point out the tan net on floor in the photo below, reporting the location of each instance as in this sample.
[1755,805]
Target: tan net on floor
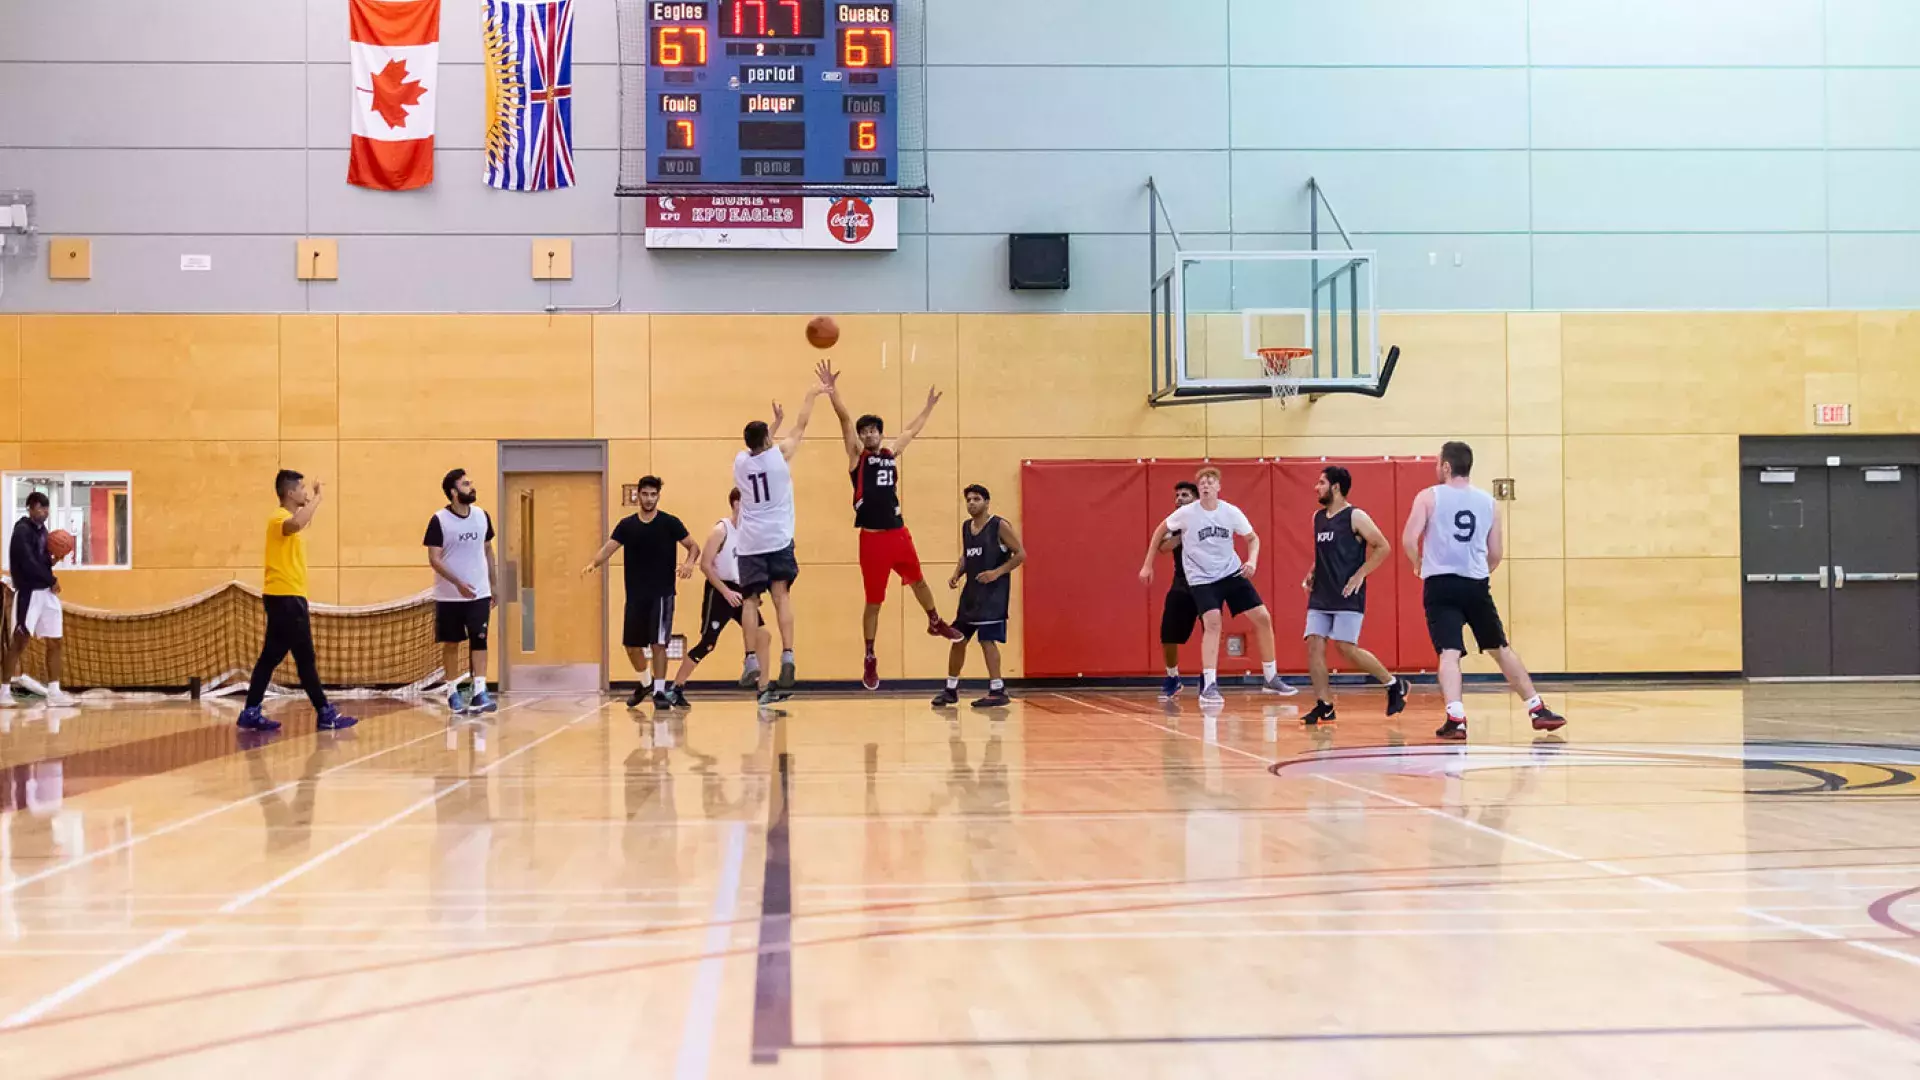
[215,638]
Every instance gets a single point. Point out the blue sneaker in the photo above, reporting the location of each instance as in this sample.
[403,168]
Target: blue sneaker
[1170,688]
[457,700]
[252,719]
[483,703]
[331,720]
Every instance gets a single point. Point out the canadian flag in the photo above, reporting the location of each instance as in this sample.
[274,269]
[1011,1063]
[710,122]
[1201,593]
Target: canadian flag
[396,60]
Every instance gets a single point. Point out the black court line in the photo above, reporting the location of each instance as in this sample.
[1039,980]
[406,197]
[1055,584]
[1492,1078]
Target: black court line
[1328,1037]
[773,971]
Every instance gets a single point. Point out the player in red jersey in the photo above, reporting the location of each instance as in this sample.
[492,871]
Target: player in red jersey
[886,547]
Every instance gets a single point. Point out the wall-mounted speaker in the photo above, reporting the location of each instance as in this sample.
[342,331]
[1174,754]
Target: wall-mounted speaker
[1037,261]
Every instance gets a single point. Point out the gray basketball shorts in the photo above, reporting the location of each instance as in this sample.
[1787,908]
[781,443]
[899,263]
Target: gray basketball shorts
[1335,625]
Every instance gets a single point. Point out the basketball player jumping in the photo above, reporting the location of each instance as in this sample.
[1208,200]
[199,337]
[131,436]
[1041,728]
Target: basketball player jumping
[1216,576]
[886,547]
[1347,547]
[767,563]
[720,602]
[990,550]
[1454,540]
[1178,616]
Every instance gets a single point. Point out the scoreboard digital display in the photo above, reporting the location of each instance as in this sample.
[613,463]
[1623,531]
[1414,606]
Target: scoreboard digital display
[772,92]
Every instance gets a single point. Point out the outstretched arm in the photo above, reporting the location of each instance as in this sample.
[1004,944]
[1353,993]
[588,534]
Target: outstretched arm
[302,517]
[791,441]
[600,557]
[1417,527]
[847,435]
[913,427]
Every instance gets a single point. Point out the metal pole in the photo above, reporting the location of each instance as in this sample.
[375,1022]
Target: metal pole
[1153,281]
[1353,291]
[1333,328]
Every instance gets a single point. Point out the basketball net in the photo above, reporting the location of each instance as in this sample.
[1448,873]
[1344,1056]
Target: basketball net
[1278,365]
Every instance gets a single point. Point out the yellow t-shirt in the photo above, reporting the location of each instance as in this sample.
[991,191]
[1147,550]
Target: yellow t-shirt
[286,557]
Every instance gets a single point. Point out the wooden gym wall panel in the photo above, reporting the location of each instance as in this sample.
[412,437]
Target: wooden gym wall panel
[195,504]
[930,352]
[1536,518]
[9,378]
[309,377]
[1450,384]
[1889,385]
[466,376]
[622,376]
[712,374]
[1630,615]
[1652,496]
[149,377]
[317,461]
[387,490]
[1537,617]
[122,590]
[1058,376]
[1534,398]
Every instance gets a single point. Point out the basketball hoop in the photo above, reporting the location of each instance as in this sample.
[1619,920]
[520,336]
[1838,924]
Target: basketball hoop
[1278,366]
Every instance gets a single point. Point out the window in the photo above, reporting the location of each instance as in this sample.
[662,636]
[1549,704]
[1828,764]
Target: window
[96,507]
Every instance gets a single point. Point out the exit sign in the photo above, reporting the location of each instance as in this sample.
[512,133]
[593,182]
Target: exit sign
[1833,415]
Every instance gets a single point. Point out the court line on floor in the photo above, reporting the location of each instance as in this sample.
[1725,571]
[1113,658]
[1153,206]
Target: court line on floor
[703,1011]
[773,968]
[86,982]
[1332,1037]
[1828,935]
[1665,886]
[19,883]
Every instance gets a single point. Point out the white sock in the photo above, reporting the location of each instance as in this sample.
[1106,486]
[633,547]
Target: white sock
[1456,711]
[659,686]
[953,684]
[479,684]
[996,684]
[55,687]
[1533,702]
[1206,676]
[1173,673]
[786,656]
[1270,669]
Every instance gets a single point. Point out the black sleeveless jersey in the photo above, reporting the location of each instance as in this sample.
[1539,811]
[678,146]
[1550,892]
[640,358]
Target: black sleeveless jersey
[982,552]
[1338,554]
[876,491]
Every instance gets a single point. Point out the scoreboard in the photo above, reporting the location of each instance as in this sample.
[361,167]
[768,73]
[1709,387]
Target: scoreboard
[772,92]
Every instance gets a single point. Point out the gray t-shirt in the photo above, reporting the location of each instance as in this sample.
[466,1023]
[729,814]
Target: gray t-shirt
[1456,540]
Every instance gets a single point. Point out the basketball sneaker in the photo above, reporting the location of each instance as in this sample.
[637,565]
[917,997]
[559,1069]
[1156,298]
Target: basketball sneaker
[1321,712]
[1545,719]
[786,675]
[1170,688]
[1278,685]
[995,699]
[1453,730]
[678,698]
[457,700]
[870,674]
[1397,692]
[252,719]
[1210,695]
[750,676]
[939,627]
[946,697]
[661,700]
[638,698]
[772,695]
[60,699]
[331,719]
[6,697]
[483,703]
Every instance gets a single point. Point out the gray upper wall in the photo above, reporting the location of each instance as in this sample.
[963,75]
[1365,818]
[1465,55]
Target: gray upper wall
[1566,154]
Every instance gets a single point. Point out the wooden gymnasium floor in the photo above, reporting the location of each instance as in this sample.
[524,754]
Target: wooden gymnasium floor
[1716,881]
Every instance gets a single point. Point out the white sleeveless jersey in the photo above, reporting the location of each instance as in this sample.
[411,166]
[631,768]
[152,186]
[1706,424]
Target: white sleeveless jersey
[766,501]
[1456,540]
[727,562]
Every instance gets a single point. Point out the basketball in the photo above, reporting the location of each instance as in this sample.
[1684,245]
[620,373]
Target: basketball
[59,544]
[822,332]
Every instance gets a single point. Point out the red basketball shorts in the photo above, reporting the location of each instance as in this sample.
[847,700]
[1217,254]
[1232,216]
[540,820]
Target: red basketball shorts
[886,553]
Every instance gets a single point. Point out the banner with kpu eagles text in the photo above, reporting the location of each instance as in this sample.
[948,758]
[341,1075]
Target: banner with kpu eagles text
[773,222]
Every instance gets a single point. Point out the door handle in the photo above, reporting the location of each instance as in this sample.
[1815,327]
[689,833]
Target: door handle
[1884,577]
[1792,579]
[1823,577]
[1839,576]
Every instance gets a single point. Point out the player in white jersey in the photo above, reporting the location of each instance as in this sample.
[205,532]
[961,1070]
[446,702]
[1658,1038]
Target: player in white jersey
[459,542]
[767,563]
[1216,576]
[720,604]
[1454,539]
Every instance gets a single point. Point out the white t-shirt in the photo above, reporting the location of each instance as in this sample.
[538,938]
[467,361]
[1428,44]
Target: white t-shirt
[727,562]
[766,500]
[463,548]
[1206,540]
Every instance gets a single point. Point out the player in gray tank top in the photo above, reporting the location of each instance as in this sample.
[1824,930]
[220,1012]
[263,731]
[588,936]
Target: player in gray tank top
[1453,539]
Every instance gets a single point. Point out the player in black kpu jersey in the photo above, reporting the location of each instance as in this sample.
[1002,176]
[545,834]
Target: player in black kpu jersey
[886,547]
[990,549]
[1347,546]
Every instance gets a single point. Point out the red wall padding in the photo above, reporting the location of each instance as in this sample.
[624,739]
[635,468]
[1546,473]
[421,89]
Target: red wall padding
[1086,526]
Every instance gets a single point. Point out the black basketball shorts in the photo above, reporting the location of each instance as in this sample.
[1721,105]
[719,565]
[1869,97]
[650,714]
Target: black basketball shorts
[759,572]
[1236,592]
[1454,602]
[455,621]
[649,621]
[1178,618]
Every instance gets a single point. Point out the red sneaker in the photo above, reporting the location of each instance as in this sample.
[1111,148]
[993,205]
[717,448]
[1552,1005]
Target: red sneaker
[870,677]
[938,627]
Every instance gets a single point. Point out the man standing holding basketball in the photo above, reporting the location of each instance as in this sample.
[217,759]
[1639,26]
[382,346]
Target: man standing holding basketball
[767,562]
[36,610]
[886,547]
[1216,576]
[1453,538]
[1347,547]
[289,625]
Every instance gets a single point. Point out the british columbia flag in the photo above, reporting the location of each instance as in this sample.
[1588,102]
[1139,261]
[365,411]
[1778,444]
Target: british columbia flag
[529,58]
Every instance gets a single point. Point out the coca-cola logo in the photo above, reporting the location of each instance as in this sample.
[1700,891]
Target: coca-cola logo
[850,220]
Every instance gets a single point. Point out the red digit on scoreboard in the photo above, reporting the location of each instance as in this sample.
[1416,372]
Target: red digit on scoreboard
[680,46]
[680,135]
[760,12]
[864,136]
[866,47]
[795,5]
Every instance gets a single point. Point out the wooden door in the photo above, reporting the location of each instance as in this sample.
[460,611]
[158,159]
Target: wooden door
[554,617]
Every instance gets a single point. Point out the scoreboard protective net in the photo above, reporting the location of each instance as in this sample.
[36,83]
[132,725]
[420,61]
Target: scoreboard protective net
[781,97]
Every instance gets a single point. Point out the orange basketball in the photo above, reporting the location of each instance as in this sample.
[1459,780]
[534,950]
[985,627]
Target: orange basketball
[822,332]
[60,544]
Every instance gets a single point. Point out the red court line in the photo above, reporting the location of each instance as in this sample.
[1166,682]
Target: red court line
[1881,911]
[1817,997]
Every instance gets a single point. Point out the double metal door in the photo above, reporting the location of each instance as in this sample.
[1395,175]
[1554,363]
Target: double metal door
[1832,563]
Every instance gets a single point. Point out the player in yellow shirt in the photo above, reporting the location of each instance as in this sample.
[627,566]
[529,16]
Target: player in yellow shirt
[289,629]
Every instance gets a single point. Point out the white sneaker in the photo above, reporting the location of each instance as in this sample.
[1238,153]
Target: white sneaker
[6,697]
[29,685]
[1210,694]
[60,699]
[1278,685]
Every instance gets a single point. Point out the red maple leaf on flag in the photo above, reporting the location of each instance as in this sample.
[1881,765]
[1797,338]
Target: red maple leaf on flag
[392,93]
